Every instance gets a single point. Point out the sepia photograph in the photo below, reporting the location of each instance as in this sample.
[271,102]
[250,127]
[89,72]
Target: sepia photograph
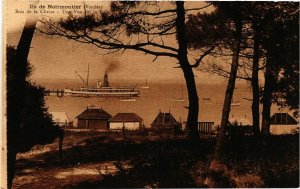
[150,94]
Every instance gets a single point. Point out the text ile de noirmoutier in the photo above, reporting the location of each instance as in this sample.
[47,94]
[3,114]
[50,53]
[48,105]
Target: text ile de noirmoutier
[58,9]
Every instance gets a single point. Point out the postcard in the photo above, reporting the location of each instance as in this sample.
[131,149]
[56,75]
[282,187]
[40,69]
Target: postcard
[150,94]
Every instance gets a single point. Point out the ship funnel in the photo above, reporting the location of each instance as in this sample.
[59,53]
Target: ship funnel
[105,80]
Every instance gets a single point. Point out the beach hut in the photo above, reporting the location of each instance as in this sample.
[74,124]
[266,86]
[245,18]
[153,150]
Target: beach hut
[130,121]
[60,118]
[93,118]
[165,123]
[283,123]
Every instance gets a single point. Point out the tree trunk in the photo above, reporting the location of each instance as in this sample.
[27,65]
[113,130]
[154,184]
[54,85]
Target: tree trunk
[124,133]
[267,97]
[60,144]
[229,90]
[193,109]
[11,161]
[254,82]
[14,121]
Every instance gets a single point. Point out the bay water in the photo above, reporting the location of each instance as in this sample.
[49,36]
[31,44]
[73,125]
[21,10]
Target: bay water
[164,97]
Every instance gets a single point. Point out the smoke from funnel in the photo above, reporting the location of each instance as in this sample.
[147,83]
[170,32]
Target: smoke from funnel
[111,65]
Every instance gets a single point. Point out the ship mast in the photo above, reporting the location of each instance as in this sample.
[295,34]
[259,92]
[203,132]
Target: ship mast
[81,78]
[87,77]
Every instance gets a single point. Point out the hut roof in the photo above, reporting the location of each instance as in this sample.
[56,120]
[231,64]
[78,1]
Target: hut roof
[126,117]
[59,117]
[94,113]
[164,119]
[283,119]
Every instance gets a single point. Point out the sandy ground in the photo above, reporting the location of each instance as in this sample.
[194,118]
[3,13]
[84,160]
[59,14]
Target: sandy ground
[63,177]
[88,157]
[33,170]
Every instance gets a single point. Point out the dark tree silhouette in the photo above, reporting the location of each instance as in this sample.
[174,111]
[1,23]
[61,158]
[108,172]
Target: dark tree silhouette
[257,21]
[254,77]
[28,122]
[233,12]
[224,30]
[280,40]
[219,37]
[257,38]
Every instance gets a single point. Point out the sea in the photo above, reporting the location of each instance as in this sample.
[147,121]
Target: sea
[159,97]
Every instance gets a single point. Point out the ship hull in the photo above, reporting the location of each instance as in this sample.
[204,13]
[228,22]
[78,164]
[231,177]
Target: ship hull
[102,93]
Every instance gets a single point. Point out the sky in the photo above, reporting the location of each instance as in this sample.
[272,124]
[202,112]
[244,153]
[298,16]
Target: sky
[58,58]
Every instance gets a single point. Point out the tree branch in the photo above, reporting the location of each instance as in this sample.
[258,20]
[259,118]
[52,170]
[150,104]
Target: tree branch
[202,56]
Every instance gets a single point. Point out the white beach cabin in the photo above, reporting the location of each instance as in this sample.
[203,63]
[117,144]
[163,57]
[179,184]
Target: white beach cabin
[129,121]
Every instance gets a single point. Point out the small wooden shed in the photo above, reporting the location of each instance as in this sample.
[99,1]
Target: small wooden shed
[93,118]
[283,123]
[130,121]
[165,123]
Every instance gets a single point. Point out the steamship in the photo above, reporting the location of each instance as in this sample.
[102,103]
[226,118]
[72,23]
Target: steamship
[102,89]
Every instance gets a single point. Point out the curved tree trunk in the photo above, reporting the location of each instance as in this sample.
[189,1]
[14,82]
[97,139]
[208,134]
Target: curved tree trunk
[267,98]
[14,121]
[193,109]
[229,90]
[254,82]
